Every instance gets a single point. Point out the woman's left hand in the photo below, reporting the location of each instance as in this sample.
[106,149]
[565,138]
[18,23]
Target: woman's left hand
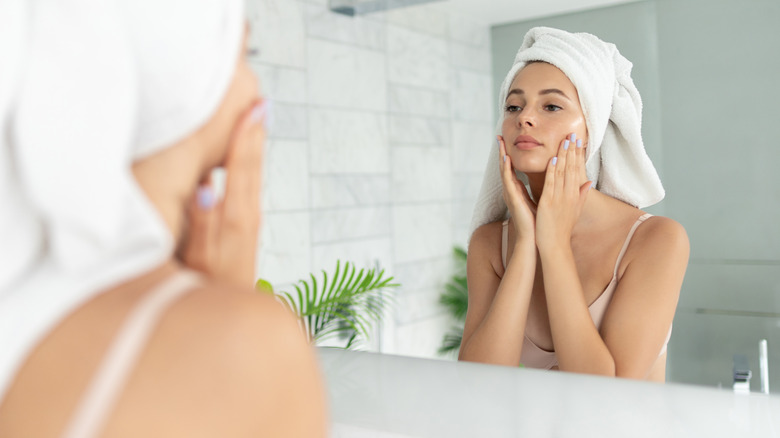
[563,195]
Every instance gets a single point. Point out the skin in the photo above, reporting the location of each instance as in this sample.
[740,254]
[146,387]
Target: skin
[562,251]
[224,359]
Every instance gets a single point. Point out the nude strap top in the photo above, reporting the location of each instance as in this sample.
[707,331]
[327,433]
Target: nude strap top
[534,356]
[108,382]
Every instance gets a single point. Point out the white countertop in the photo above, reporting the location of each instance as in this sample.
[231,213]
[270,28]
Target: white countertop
[383,396]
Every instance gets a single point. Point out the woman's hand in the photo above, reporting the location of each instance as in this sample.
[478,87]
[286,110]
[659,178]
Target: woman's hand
[223,235]
[516,197]
[563,195]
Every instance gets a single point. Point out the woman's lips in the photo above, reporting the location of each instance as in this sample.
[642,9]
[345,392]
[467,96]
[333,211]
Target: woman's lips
[526,142]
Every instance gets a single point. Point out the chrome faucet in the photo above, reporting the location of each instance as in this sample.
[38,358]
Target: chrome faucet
[742,374]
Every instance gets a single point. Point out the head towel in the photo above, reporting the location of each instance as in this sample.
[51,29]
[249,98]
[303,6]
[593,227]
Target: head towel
[88,87]
[616,157]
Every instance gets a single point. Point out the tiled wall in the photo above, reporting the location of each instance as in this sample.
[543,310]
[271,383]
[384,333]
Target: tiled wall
[378,141]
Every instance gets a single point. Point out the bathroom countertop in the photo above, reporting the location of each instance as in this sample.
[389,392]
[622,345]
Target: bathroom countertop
[384,396]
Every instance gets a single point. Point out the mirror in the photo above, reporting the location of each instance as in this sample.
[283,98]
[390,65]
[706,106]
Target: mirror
[382,123]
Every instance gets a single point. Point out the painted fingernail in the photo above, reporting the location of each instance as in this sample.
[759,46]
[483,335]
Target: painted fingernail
[579,143]
[206,198]
[592,184]
[566,145]
[555,160]
[504,158]
[498,140]
[573,137]
[262,112]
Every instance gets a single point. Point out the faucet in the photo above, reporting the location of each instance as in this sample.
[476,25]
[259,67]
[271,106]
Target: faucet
[742,374]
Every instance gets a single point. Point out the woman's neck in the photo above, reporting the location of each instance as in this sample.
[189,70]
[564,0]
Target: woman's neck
[593,209]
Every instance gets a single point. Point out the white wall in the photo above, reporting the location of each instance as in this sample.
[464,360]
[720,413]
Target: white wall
[378,140]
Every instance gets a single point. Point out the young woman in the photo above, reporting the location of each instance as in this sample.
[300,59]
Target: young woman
[578,278]
[114,114]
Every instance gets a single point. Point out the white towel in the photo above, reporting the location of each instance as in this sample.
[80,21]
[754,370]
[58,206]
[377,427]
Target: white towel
[616,157]
[87,87]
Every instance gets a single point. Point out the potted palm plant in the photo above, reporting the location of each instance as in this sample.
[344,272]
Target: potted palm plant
[345,305]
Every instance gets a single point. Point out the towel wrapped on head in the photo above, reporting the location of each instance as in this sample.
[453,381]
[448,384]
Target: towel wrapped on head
[90,87]
[616,158]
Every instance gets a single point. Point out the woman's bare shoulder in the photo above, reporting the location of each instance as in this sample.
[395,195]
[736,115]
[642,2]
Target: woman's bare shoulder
[659,236]
[485,249]
[487,236]
[229,342]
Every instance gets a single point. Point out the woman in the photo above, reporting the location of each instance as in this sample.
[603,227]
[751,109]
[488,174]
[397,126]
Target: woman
[113,117]
[578,278]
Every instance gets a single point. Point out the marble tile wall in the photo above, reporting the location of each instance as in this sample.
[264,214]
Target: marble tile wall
[379,135]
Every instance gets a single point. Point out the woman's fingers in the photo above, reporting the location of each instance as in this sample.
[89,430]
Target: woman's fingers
[244,171]
[203,229]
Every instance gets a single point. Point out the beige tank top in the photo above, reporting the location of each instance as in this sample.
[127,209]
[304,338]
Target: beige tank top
[534,356]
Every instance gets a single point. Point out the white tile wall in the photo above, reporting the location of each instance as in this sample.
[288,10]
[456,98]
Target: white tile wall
[415,58]
[345,76]
[344,141]
[421,174]
[422,231]
[278,31]
[286,179]
[377,144]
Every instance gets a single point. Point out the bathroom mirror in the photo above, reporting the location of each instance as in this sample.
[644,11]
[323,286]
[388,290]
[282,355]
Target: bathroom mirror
[382,123]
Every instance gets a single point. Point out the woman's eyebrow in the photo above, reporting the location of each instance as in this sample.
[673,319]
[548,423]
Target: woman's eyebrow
[554,91]
[542,92]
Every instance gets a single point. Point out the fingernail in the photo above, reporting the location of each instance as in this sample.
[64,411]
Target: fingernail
[504,158]
[498,140]
[261,112]
[206,198]
[573,137]
[592,184]
[579,143]
[566,145]
[555,160]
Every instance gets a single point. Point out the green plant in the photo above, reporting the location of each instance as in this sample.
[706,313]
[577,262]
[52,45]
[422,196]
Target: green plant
[347,306]
[455,299]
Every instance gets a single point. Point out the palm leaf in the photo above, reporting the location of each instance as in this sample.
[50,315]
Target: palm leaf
[346,304]
[455,298]
[451,342]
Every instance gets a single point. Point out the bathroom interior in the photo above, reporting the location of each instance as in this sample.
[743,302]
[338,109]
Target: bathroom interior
[383,116]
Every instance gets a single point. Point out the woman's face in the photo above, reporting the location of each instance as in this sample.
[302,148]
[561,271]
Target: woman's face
[541,110]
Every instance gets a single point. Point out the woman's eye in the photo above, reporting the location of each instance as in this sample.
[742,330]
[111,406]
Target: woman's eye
[512,108]
[552,108]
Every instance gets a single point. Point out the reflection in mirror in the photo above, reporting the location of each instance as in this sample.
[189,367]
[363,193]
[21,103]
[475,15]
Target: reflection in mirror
[383,123]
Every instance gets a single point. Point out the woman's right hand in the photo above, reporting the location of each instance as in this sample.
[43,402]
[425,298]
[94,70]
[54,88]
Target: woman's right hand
[223,235]
[516,197]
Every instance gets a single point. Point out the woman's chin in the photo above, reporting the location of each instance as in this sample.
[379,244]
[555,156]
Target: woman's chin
[530,168]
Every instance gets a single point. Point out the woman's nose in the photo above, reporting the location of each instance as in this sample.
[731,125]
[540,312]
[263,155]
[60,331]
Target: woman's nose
[525,117]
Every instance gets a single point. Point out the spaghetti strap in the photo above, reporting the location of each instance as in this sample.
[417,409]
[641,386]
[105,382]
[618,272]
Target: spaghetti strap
[504,239]
[628,240]
[108,382]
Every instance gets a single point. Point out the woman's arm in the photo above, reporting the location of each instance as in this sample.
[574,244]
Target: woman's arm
[642,307]
[498,308]
[640,314]
[578,344]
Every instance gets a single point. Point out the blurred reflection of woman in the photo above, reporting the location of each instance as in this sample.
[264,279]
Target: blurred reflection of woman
[113,116]
[578,278]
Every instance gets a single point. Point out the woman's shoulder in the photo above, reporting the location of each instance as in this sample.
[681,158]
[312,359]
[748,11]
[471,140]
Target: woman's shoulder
[659,235]
[487,237]
[485,247]
[243,339]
